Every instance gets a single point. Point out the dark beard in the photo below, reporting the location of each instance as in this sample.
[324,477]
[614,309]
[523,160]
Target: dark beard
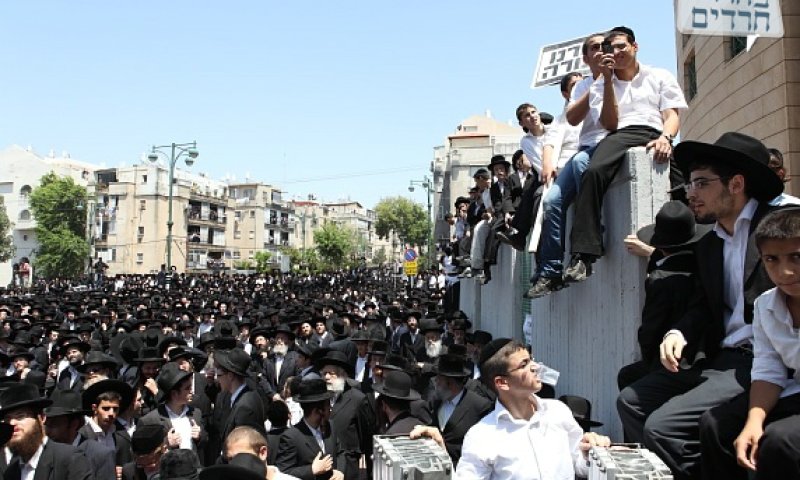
[26,446]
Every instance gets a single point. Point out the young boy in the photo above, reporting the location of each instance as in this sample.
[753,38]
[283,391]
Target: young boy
[769,443]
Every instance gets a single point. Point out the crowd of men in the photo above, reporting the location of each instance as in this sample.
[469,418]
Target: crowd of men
[689,399]
[181,376]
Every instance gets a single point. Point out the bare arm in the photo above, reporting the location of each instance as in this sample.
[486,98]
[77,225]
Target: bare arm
[577,110]
[763,397]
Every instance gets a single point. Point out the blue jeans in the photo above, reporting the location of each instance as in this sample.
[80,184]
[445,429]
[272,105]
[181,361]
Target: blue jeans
[556,202]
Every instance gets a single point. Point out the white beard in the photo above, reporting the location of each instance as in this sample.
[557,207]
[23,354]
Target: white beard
[336,385]
[280,349]
[433,350]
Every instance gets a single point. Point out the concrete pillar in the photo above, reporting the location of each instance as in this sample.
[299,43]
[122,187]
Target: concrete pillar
[588,331]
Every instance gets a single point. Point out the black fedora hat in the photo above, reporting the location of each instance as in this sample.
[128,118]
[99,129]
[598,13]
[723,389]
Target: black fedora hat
[149,354]
[234,360]
[430,325]
[675,227]
[397,384]
[179,464]
[124,390]
[379,347]
[582,411]
[283,328]
[244,466]
[450,365]
[125,346]
[19,352]
[312,390]
[95,357]
[22,395]
[74,342]
[170,376]
[337,358]
[738,150]
[66,402]
[498,160]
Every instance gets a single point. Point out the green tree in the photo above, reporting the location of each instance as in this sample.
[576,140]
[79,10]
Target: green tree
[6,240]
[243,265]
[407,219]
[302,258]
[335,243]
[380,257]
[58,204]
[263,261]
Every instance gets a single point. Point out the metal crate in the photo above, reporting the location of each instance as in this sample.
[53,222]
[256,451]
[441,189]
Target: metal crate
[400,458]
[626,462]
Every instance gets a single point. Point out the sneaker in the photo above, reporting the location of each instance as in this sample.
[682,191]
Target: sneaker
[579,269]
[479,274]
[545,286]
[466,273]
[510,239]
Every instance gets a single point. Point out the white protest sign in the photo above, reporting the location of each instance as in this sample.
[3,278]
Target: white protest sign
[737,18]
[557,60]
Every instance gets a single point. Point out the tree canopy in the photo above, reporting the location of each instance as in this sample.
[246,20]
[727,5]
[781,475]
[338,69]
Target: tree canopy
[6,240]
[59,206]
[335,244]
[406,218]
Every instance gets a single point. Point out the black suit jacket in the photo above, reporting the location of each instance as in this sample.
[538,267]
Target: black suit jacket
[101,459]
[469,411]
[703,325]
[501,201]
[417,346]
[161,415]
[474,213]
[297,449]
[518,187]
[122,440]
[353,420]
[247,410]
[288,369]
[57,462]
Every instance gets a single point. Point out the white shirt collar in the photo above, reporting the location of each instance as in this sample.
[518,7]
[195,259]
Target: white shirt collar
[34,461]
[236,393]
[746,215]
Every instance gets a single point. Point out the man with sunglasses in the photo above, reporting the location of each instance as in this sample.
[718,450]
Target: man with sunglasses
[525,437]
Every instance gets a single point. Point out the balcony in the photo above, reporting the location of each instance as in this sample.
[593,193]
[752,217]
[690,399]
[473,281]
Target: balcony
[207,196]
[195,217]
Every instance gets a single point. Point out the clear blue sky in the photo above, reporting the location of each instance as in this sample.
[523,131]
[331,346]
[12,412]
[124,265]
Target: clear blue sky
[289,92]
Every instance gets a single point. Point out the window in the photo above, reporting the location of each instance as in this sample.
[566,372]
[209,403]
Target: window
[690,77]
[237,234]
[736,45]
[251,234]
[144,178]
[252,214]
[237,215]
[140,258]
[142,204]
[251,255]
[25,190]
[25,215]
[236,255]
[141,230]
[25,237]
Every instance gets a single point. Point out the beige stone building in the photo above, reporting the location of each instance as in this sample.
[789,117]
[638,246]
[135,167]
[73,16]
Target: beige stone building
[129,215]
[470,147]
[262,221]
[756,92]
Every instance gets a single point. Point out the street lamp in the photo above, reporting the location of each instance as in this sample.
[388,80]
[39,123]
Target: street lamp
[427,184]
[187,150]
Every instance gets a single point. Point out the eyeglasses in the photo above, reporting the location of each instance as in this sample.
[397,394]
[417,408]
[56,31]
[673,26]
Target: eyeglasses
[701,183]
[529,363]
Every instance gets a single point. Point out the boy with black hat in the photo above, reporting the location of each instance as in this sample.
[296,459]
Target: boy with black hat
[707,354]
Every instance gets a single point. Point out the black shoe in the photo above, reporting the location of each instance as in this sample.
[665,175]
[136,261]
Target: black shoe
[545,286]
[579,269]
[515,241]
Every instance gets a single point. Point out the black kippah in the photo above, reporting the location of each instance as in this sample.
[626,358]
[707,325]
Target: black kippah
[491,348]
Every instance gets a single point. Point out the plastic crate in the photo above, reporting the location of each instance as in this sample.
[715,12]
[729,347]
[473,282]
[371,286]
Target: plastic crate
[626,462]
[400,458]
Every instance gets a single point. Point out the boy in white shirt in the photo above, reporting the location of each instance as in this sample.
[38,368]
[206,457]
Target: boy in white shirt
[768,442]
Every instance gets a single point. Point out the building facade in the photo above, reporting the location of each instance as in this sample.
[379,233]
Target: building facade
[756,92]
[261,222]
[470,147]
[21,169]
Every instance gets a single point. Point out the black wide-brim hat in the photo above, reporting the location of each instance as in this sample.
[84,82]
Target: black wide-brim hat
[675,227]
[283,328]
[234,360]
[170,376]
[312,390]
[22,395]
[738,150]
[234,470]
[581,409]
[109,385]
[451,365]
[66,402]
[149,354]
[498,160]
[337,358]
[397,384]
[95,357]
[79,344]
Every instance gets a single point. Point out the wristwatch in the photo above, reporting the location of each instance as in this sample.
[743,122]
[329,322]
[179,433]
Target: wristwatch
[669,137]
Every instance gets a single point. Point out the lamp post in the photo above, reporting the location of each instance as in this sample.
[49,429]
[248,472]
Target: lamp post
[427,184]
[188,150]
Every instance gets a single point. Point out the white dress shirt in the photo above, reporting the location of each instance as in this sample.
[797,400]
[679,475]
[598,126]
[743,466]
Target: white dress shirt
[532,146]
[546,447]
[776,343]
[361,367]
[446,409]
[29,468]
[591,131]
[278,365]
[734,250]
[182,424]
[317,436]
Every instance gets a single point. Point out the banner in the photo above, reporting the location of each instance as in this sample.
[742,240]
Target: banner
[736,18]
[557,60]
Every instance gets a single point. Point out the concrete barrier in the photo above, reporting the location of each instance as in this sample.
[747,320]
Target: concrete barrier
[587,331]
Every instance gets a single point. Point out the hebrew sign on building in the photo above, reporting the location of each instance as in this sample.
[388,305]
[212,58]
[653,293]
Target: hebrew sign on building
[738,18]
[557,60]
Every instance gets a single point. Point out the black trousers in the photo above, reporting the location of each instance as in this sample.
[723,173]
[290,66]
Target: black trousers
[528,205]
[663,409]
[587,231]
[778,450]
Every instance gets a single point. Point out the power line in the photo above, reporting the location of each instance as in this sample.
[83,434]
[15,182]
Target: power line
[354,175]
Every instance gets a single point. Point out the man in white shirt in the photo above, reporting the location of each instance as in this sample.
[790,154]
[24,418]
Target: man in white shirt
[525,437]
[707,355]
[639,105]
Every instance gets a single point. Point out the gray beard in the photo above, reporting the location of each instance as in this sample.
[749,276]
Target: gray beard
[433,350]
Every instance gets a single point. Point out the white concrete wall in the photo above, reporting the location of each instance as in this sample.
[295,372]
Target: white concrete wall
[588,331]
[497,306]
